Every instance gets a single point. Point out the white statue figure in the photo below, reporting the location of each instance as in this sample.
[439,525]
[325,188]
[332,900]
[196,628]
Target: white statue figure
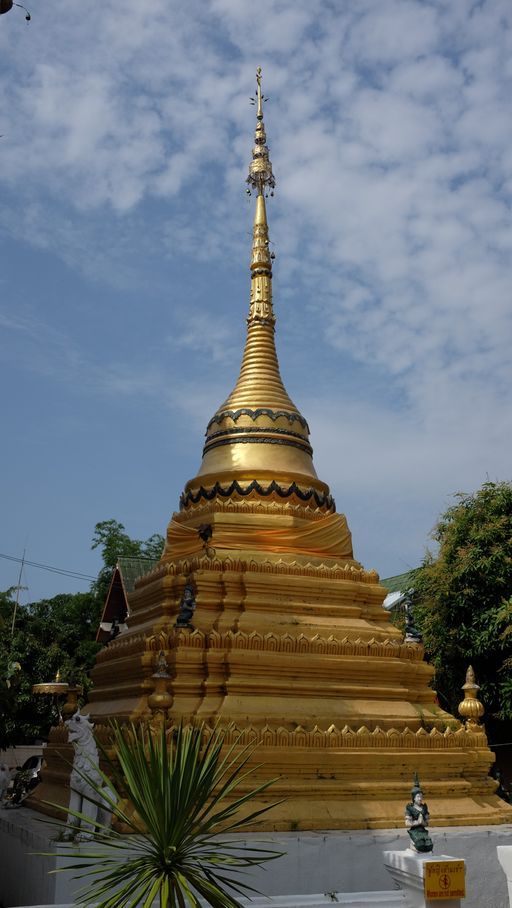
[85,763]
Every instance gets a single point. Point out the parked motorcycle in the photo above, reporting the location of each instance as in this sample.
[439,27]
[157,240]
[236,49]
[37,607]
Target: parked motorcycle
[25,780]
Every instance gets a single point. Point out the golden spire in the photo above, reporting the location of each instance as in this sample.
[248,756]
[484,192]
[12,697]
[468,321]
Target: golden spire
[260,179]
[259,427]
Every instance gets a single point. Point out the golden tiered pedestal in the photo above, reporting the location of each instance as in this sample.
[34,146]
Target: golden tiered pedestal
[297,654]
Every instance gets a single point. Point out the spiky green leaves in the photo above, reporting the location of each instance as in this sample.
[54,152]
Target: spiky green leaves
[188,792]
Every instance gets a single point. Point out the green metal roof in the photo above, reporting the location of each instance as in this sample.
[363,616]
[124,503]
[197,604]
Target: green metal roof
[133,568]
[401,582]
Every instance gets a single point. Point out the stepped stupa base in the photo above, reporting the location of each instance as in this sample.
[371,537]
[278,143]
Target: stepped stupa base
[335,701]
[338,783]
[356,789]
[316,811]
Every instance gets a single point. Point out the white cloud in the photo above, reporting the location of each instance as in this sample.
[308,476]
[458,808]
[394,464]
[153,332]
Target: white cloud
[207,330]
[391,31]
[389,128]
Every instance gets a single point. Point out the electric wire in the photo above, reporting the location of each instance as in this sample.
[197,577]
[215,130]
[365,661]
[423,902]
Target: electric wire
[79,575]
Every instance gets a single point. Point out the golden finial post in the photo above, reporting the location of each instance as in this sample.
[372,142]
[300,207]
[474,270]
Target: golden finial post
[260,176]
[259,96]
[160,700]
[470,708]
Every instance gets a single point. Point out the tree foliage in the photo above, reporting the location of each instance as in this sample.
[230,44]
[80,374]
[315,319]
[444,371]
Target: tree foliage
[110,536]
[57,634]
[9,666]
[463,598]
[52,635]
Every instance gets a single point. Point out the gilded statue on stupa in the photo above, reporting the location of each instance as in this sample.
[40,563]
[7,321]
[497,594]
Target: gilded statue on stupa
[290,645]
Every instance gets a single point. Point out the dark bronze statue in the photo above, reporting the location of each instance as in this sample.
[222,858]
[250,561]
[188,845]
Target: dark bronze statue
[416,820]
[412,634]
[187,607]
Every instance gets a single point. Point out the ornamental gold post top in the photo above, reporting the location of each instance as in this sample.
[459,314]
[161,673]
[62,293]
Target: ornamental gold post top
[260,176]
[470,708]
[261,179]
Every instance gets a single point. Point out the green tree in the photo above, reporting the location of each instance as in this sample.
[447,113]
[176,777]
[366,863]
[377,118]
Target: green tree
[52,635]
[182,795]
[111,537]
[9,666]
[463,600]
[57,634]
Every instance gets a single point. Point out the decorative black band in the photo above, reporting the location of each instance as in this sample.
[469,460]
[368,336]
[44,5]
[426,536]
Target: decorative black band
[266,271]
[262,440]
[320,499]
[242,430]
[262,320]
[261,411]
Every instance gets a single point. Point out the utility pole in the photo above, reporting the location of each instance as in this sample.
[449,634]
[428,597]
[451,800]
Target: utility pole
[18,588]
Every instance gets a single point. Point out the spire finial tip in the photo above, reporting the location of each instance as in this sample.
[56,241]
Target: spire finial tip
[260,176]
[259,112]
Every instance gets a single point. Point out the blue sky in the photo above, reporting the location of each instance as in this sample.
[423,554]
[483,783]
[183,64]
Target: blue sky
[125,234]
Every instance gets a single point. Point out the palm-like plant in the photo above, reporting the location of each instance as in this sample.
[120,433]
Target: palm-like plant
[183,793]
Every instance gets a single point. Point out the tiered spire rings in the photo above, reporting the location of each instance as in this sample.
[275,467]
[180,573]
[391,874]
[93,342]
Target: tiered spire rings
[261,179]
[258,431]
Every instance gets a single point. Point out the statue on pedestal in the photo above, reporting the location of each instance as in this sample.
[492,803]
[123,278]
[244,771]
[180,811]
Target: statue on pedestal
[416,820]
[86,783]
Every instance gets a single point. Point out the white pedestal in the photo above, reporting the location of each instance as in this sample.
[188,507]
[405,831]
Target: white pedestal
[407,870]
[350,900]
[505,859]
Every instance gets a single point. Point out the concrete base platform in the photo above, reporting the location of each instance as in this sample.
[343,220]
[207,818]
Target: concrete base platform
[355,900]
[315,862]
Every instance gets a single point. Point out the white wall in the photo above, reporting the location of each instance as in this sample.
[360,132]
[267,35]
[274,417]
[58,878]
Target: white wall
[315,862]
[16,756]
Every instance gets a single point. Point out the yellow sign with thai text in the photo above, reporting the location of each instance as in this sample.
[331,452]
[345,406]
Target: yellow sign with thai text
[444,880]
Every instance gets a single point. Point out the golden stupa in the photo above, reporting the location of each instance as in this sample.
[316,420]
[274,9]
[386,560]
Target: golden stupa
[290,644]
